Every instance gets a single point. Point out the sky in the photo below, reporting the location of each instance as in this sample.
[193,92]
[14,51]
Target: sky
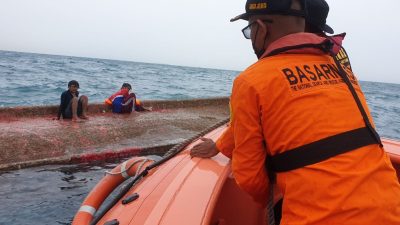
[187,32]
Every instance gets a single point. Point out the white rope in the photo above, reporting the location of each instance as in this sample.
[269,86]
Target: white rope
[140,167]
[123,170]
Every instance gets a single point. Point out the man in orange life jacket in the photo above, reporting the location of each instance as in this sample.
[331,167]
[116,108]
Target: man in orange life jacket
[122,101]
[317,13]
[306,120]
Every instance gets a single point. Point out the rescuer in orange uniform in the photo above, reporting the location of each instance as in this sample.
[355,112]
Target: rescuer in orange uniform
[315,23]
[297,112]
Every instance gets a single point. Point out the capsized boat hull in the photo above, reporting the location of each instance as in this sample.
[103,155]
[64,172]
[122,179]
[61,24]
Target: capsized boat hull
[30,137]
[187,190]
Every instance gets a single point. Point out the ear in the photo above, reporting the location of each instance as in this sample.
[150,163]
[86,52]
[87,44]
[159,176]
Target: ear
[262,25]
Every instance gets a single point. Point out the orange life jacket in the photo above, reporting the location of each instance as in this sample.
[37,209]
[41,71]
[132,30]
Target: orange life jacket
[296,99]
[225,144]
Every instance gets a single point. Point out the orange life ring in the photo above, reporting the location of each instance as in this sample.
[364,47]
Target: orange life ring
[106,185]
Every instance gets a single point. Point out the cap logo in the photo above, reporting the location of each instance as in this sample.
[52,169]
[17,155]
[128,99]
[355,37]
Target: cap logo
[258,6]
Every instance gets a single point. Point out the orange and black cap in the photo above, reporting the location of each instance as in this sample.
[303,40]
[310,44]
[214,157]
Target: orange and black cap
[268,7]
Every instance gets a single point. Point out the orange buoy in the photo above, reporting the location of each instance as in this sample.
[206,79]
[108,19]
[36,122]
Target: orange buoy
[104,188]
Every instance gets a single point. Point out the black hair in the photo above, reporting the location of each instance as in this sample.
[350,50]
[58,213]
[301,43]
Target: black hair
[73,82]
[126,85]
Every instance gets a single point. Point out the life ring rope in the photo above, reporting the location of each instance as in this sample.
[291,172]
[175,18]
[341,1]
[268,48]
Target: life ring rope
[124,171]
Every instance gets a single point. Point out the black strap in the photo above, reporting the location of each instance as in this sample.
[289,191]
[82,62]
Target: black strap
[320,150]
[331,146]
[327,46]
[346,79]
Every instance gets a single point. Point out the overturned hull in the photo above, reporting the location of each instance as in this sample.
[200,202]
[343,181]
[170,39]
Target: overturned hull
[29,136]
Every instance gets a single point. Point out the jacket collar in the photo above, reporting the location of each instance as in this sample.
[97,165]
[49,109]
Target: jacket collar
[305,43]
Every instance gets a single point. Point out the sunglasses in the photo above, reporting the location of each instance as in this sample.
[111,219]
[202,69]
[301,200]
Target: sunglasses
[247,29]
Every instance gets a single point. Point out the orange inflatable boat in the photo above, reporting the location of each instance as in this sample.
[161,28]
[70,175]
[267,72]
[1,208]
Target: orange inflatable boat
[181,190]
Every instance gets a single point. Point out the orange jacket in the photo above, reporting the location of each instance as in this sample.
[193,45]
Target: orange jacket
[290,100]
[225,144]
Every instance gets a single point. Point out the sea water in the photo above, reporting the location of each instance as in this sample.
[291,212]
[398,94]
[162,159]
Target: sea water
[36,79]
[53,194]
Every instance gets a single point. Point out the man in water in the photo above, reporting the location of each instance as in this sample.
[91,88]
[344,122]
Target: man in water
[300,121]
[72,106]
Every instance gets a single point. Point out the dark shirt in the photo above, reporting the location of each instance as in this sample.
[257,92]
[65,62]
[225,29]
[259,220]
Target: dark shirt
[66,98]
